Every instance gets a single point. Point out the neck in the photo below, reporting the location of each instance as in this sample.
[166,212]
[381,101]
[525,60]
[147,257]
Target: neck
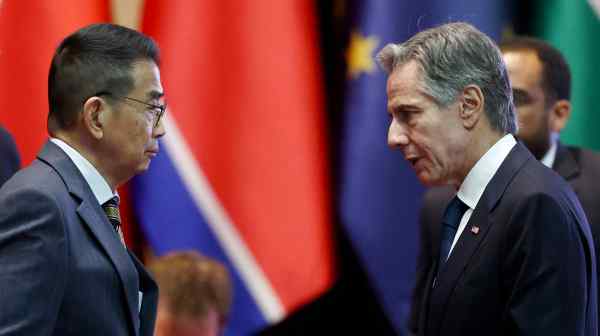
[478,145]
[86,148]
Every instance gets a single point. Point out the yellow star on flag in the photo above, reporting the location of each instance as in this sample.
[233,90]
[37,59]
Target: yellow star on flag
[360,54]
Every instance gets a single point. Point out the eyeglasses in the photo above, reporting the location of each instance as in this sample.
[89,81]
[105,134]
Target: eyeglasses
[157,110]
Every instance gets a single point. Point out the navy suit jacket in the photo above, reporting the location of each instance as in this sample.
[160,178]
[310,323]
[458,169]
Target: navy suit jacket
[63,269]
[524,265]
[9,156]
[581,168]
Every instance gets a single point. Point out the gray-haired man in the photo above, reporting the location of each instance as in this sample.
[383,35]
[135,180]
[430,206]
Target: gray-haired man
[515,254]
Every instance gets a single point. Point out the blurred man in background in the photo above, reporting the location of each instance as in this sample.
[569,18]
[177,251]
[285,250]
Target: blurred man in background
[515,253]
[9,156]
[195,295]
[541,83]
[64,268]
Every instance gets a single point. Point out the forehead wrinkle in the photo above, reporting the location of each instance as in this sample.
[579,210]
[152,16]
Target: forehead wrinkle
[409,100]
[408,72]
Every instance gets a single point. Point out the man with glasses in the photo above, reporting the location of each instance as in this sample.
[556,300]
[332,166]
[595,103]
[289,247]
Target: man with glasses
[64,268]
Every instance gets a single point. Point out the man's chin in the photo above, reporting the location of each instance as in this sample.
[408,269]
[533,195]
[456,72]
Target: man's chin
[143,167]
[429,180]
[426,179]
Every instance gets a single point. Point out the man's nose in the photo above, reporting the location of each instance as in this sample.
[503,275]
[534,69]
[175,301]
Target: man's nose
[397,136]
[159,130]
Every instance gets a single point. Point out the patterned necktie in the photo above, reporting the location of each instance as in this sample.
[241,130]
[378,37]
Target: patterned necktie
[111,208]
[452,216]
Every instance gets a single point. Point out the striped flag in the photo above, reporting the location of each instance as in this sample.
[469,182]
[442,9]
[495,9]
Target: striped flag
[243,172]
[30,31]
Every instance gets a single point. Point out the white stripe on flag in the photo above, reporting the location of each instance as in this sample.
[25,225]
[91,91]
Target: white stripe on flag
[220,223]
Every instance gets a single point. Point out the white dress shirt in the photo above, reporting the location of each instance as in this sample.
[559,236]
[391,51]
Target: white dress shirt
[479,176]
[97,183]
[550,156]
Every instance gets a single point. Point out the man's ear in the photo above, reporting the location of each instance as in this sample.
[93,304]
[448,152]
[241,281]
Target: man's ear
[559,115]
[471,102]
[94,110]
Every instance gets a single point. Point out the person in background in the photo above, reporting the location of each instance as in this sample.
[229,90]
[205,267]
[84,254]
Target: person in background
[514,255]
[541,82]
[195,295]
[9,156]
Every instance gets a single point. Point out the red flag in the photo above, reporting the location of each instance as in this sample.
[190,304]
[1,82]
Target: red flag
[30,31]
[243,82]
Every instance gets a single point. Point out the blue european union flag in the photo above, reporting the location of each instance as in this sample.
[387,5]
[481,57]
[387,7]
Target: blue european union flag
[379,192]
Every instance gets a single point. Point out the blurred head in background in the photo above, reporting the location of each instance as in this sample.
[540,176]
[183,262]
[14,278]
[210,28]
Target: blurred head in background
[541,83]
[195,295]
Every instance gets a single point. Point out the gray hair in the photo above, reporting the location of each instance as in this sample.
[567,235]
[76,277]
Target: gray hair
[451,57]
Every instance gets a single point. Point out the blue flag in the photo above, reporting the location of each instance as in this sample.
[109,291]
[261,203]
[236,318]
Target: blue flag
[379,192]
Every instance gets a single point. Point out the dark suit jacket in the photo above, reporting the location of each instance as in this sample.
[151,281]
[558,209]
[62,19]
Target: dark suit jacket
[581,168]
[531,259]
[9,156]
[63,269]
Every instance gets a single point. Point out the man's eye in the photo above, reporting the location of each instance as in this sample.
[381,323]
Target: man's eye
[521,98]
[154,108]
[410,115]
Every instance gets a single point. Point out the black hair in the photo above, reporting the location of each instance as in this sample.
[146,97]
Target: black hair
[97,58]
[556,76]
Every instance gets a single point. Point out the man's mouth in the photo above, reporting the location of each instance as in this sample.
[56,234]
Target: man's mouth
[413,160]
[152,152]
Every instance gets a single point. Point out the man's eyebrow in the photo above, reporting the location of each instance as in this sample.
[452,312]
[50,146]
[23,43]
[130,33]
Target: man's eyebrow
[155,94]
[403,107]
[521,93]
[519,90]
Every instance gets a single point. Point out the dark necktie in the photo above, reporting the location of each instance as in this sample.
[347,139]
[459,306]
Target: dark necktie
[452,216]
[111,208]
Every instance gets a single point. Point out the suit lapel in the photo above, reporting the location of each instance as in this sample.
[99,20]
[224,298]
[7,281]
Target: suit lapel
[150,298]
[454,267]
[441,198]
[565,163]
[93,216]
[103,232]
[424,313]
[473,234]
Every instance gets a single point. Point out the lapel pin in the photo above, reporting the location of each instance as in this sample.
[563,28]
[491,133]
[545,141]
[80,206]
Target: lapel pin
[475,229]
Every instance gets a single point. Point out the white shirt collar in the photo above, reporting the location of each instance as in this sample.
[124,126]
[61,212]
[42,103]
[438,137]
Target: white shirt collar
[481,174]
[550,156]
[97,183]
